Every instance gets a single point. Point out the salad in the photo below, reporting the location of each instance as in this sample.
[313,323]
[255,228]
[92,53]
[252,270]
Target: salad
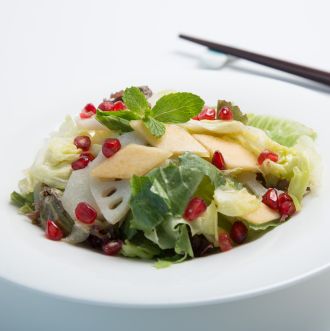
[165,177]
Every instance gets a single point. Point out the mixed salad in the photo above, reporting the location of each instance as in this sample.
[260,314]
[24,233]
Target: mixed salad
[164,177]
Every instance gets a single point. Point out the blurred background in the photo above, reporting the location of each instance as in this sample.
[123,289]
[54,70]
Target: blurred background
[43,43]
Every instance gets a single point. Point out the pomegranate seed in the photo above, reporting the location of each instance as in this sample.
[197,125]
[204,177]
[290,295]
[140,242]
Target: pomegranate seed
[286,206]
[112,247]
[226,114]
[218,160]
[90,108]
[83,142]
[225,243]
[88,111]
[110,147]
[195,208]
[283,197]
[53,232]
[87,155]
[267,155]
[106,106]
[286,209]
[238,232]
[270,198]
[118,105]
[207,114]
[81,163]
[85,213]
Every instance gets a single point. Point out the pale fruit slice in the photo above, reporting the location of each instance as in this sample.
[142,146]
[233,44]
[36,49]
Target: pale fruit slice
[235,155]
[112,196]
[131,160]
[176,139]
[263,214]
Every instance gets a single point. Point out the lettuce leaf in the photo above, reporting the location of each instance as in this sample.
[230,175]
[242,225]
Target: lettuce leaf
[285,132]
[140,248]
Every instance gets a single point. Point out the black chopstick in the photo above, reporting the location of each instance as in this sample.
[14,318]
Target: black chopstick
[292,68]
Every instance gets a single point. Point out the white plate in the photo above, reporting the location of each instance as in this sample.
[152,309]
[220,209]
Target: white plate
[289,253]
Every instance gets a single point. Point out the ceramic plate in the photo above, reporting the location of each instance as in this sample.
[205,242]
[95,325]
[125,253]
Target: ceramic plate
[289,253]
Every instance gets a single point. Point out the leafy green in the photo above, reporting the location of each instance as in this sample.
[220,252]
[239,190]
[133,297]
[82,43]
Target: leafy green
[285,132]
[141,248]
[116,120]
[177,107]
[237,113]
[23,201]
[175,185]
[135,100]
[264,226]
[183,245]
[192,161]
[155,127]
[148,208]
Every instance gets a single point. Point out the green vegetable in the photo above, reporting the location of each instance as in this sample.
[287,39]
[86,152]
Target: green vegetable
[183,245]
[140,247]
[135,101]
[23,201]
[175,185]
[155,127]
[283,131]
[177,107]
[116,120]
[170,108]
[237,114]
[148,208]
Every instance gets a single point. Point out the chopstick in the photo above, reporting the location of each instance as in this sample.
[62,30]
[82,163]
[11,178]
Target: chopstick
[290,67]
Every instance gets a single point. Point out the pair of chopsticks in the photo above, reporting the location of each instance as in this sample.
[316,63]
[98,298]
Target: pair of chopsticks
[292,68]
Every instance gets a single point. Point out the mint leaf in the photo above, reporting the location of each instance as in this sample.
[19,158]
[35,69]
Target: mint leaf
[155,127]
[237,113]
[177,107]
[116,120]
[135,100]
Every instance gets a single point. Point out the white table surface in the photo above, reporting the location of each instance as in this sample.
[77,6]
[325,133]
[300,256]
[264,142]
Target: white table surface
[54,40]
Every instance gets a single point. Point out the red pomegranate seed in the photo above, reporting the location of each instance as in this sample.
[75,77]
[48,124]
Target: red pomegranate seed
[225,243]
[88,111]
[106,106]
[286,206]
[267,155]
[53,232]
[83,142]
[218,160]
[81,163]
[87,155]
[226,114]
[119,105]
[112,247]
[206,114]
[110,147]
[90,108]
[85,213]
[238,232]
[195,208]
[270,198]
[286,210]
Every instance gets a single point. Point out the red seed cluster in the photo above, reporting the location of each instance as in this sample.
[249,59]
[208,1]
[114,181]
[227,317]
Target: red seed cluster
[225,114]
[85,213]
[110,147]
[267,155]
[218,160]
[53,232]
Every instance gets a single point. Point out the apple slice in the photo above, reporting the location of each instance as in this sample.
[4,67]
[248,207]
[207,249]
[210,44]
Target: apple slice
[235,155]
[263,214]
[176,139]
[131,160]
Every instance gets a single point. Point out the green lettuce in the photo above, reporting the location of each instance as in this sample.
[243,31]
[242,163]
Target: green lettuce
[285,132]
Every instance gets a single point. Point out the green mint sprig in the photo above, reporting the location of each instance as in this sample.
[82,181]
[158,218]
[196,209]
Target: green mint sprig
[172,108]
